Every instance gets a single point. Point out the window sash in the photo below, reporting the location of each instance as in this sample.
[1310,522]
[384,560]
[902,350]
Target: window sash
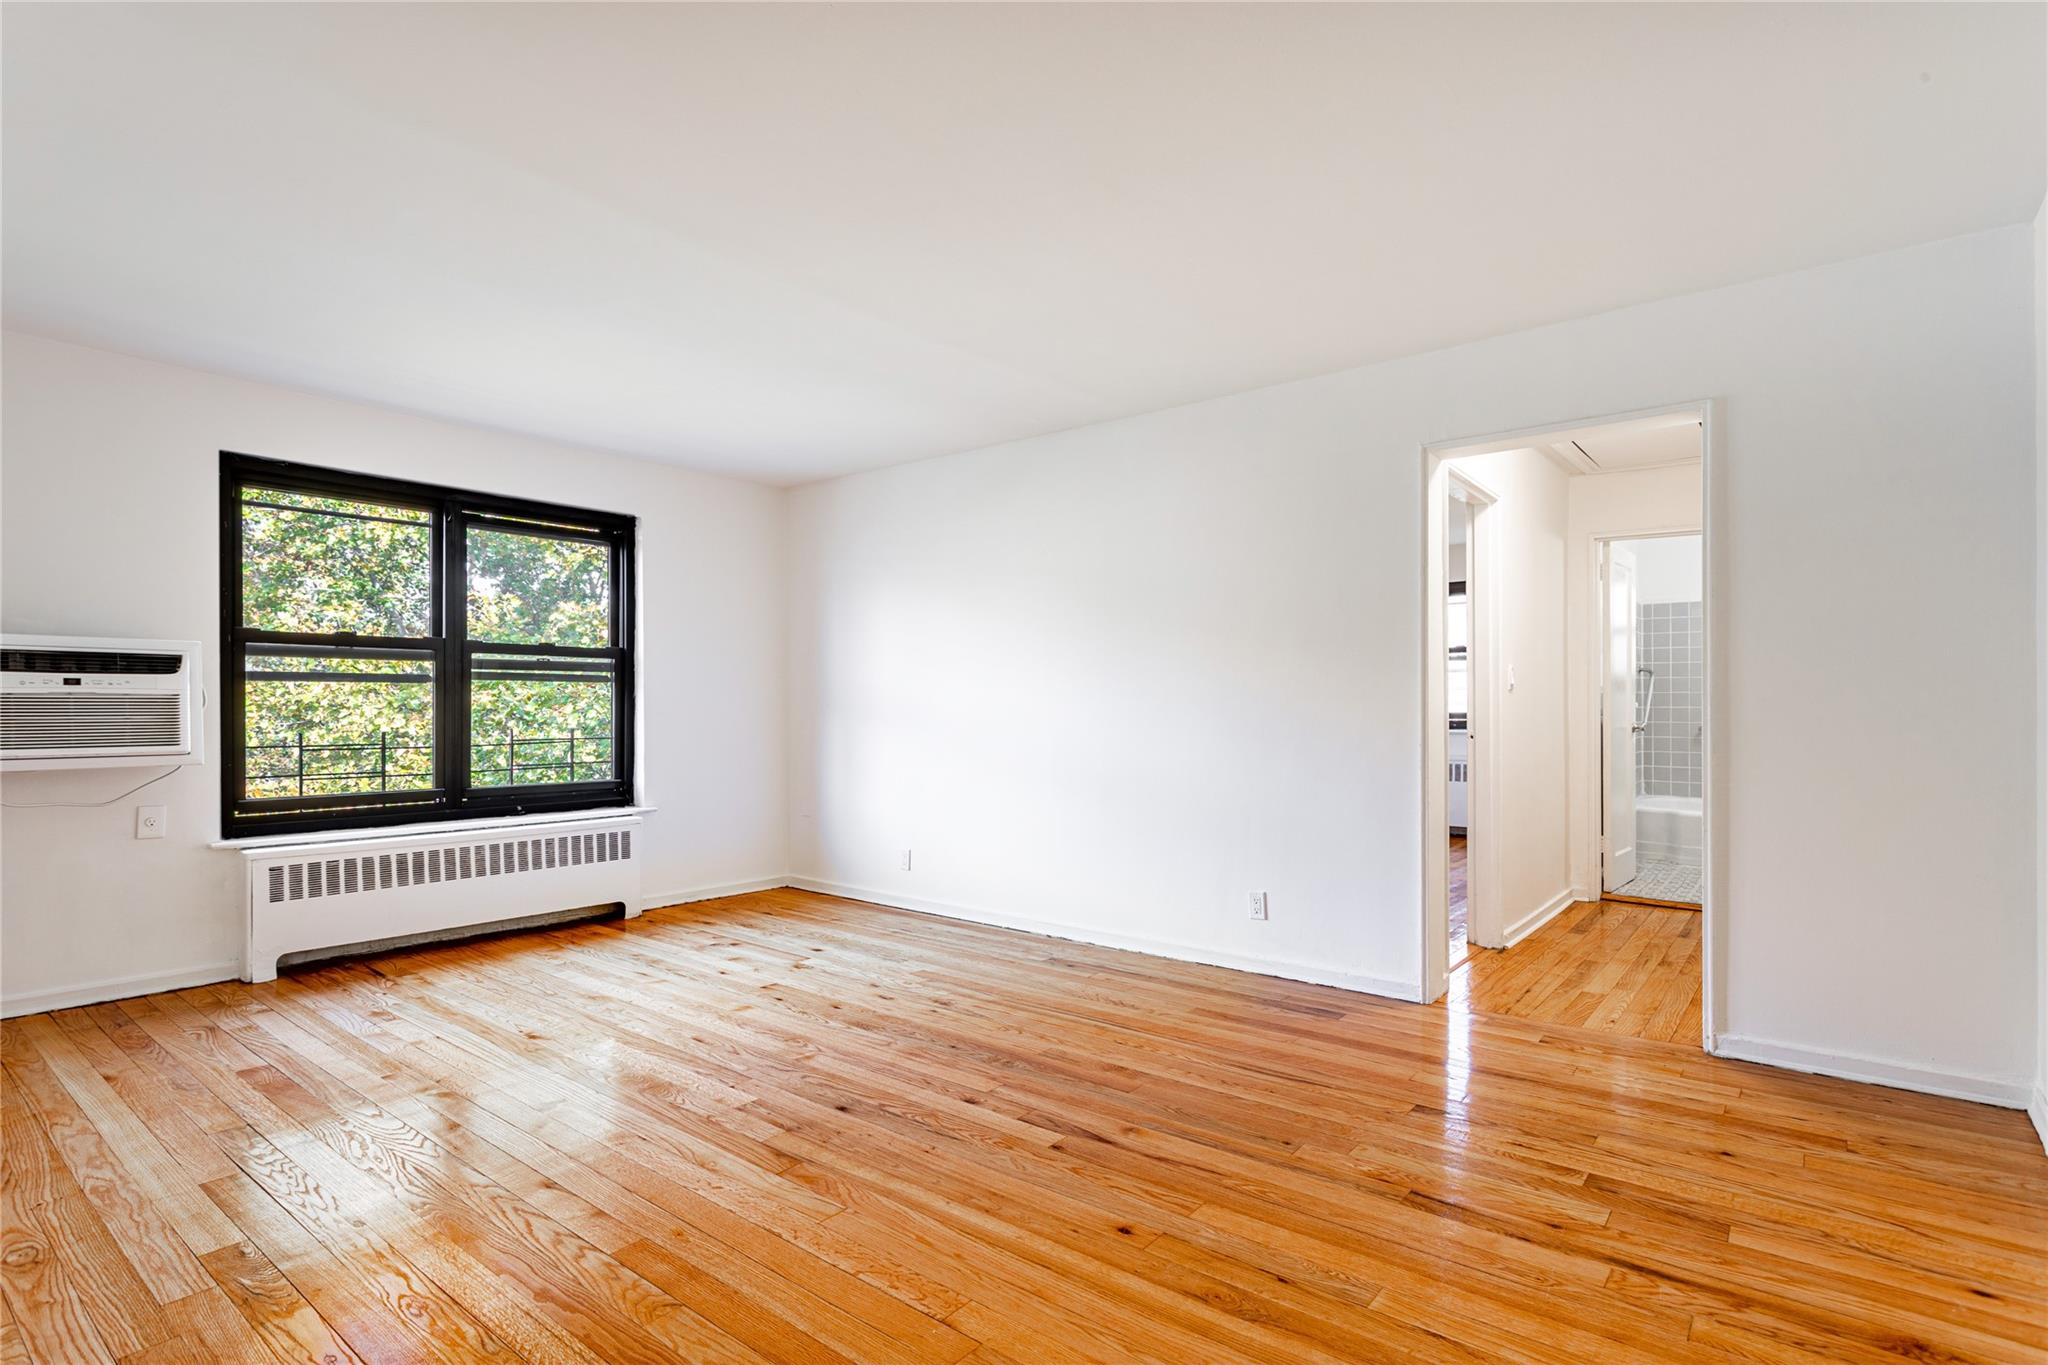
[537,531]
[455,658]
[498,664]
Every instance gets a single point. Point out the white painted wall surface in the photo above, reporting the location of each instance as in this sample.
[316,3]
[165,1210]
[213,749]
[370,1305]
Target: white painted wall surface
[1114,679]
[110,484]
[1533,841]
[1669,569]
[2038,1104]
[1602,505]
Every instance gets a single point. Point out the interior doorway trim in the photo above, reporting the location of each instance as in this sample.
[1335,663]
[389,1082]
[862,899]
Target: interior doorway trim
[1434,910]
[1483,835]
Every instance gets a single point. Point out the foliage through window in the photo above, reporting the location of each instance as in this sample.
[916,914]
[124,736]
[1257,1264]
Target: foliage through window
[401,652]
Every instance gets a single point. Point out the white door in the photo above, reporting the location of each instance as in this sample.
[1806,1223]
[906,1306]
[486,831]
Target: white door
[1618,806]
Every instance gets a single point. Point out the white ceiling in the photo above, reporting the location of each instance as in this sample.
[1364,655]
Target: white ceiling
[1638,443]
[791,241]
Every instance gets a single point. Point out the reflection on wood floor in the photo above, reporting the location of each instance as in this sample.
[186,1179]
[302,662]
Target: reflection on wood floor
[1458,917]
[1600,965]
[788,1127]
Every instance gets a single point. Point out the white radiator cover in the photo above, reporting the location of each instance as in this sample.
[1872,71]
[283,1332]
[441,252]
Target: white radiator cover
[329,894]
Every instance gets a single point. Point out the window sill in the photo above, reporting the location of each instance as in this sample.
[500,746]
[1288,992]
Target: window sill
[254,843]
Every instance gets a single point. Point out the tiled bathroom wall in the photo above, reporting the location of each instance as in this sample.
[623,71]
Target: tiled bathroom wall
[1668,754]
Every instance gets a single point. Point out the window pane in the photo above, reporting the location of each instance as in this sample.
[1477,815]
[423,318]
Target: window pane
[327,724]
[536,721]
[539,590]
[323,565]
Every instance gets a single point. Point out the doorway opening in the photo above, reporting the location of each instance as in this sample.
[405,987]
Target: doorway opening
[1465,627]
[1461,515]
[1568,703]
[1652,813]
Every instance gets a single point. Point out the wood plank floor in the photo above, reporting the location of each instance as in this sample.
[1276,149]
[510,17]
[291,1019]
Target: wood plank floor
[1458,908]
[1610,966]
[789,1127]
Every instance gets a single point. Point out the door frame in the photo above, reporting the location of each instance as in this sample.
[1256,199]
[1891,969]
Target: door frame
[1432,978]
[1482,792]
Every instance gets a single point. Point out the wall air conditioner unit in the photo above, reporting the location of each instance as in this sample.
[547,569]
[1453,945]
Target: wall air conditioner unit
[84,702]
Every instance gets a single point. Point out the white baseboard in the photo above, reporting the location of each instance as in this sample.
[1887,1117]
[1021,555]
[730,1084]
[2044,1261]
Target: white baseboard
[1958,1085]
[2037,1110]
[118,988]
[1151,947]
[1541,915]
[712,893]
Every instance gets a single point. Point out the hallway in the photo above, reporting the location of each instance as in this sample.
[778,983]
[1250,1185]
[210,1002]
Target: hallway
[1601,965]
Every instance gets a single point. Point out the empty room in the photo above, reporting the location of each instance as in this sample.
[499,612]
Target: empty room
[1023,682]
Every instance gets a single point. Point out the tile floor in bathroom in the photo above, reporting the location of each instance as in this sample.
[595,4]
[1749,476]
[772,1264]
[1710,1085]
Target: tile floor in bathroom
[1657,880]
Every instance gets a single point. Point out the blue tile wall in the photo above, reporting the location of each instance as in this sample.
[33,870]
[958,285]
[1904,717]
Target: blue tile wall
[1668,754]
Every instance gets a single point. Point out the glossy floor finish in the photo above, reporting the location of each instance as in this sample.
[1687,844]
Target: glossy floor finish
[1608,966]
[1457,904]
[789,1127]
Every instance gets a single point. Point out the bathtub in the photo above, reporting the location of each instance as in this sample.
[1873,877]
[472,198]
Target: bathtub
[1668,829]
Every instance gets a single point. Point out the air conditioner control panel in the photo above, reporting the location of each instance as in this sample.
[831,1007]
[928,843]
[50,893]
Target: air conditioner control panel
[14,680]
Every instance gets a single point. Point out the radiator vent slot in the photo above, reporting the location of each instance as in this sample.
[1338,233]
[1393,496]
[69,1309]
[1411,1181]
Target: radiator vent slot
[329,877]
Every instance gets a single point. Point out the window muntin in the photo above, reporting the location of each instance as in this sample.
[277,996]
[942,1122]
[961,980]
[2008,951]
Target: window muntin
[398,652]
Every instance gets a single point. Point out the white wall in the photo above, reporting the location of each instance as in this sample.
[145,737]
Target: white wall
[1533,849]
[1668,569]
[2038,1106]
[1601,505]
[1113,679]
[110,484]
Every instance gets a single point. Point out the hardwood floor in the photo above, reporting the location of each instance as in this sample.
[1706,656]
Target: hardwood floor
[790,1127]
[1610,966]
[1457,904]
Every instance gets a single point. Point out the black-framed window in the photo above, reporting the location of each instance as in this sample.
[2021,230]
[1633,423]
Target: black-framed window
[397,652]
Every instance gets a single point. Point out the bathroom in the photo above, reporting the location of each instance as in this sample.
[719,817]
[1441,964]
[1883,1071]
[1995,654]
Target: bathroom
[1668,636]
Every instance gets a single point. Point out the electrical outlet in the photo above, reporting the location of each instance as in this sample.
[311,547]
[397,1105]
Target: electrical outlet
[1258,905]
[906,860]
[150,822]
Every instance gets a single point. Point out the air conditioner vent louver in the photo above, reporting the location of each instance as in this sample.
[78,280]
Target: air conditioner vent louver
[81,720]
[87,661]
